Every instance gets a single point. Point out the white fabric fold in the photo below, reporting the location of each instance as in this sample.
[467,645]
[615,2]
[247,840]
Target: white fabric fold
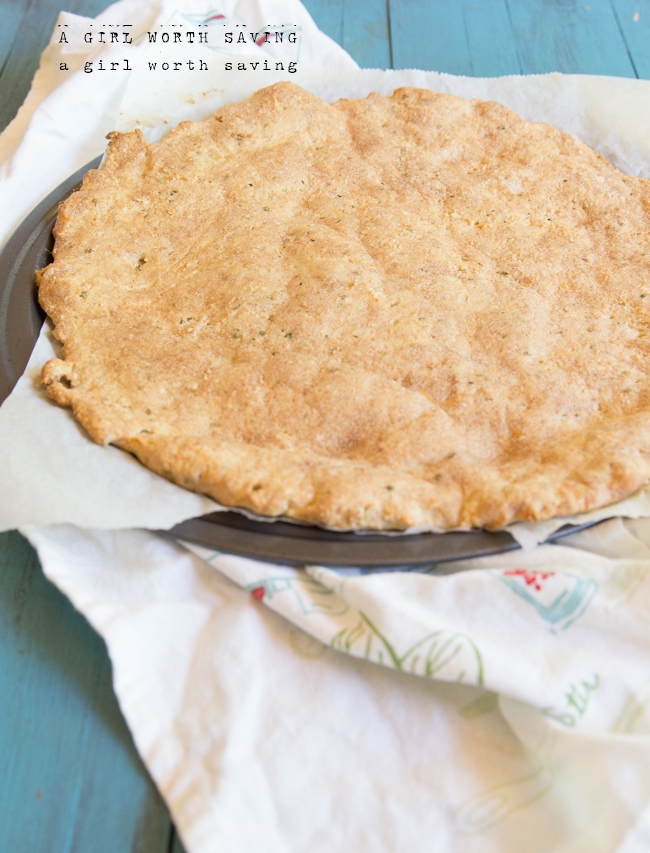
[300,728]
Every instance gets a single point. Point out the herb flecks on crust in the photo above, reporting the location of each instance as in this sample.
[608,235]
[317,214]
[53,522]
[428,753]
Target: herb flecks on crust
[415,310]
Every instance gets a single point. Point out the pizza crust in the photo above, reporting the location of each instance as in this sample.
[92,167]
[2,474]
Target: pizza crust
[407,311]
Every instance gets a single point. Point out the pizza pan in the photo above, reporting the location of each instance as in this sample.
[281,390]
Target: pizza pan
[28,249]
[21,319]
[299,545]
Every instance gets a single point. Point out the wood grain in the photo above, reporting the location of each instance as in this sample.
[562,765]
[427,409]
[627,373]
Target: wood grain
[25,30]
[633,21]
[360,27]
[71,779]
[12,15]
[573,36]
[467,37]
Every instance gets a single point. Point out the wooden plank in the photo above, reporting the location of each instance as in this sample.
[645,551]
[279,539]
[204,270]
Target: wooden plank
[633,19]
[361,28]
[429,34]
[365,33]
[13,12]
[472,37]
[573,36]
[117,801]
[328,17]
[31,23]
[72,780]
[491,43]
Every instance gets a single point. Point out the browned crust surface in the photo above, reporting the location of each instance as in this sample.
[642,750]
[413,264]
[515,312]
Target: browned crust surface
[372,314]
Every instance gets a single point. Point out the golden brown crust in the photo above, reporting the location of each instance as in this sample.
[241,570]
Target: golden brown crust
[415,310]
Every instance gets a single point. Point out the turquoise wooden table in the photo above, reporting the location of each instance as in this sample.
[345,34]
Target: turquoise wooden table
[70,778]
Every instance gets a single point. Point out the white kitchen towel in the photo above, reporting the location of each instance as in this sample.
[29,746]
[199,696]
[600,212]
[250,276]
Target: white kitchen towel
[381,713]
[503,708]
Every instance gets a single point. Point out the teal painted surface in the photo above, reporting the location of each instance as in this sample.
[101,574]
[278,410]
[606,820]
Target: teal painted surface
[573,36]
[12,16]
[71,781]
[361,27]
[468,37]
[328,17]
[365,33]
[491,44]
[29,31]
[633,19]
[430,34]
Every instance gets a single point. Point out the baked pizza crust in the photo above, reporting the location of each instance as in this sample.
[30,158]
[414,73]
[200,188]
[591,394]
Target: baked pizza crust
[397,311]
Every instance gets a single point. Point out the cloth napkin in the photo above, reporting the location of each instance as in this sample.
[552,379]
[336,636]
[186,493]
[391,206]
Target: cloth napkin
[502,708]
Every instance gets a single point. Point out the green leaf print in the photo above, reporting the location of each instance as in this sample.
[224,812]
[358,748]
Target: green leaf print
[311,596]
[448,655]
[495,804]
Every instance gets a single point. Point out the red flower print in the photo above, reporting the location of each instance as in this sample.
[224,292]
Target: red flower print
[530,577]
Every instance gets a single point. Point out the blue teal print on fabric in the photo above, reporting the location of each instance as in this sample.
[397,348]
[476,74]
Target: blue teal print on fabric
[558,597]
[311,596]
